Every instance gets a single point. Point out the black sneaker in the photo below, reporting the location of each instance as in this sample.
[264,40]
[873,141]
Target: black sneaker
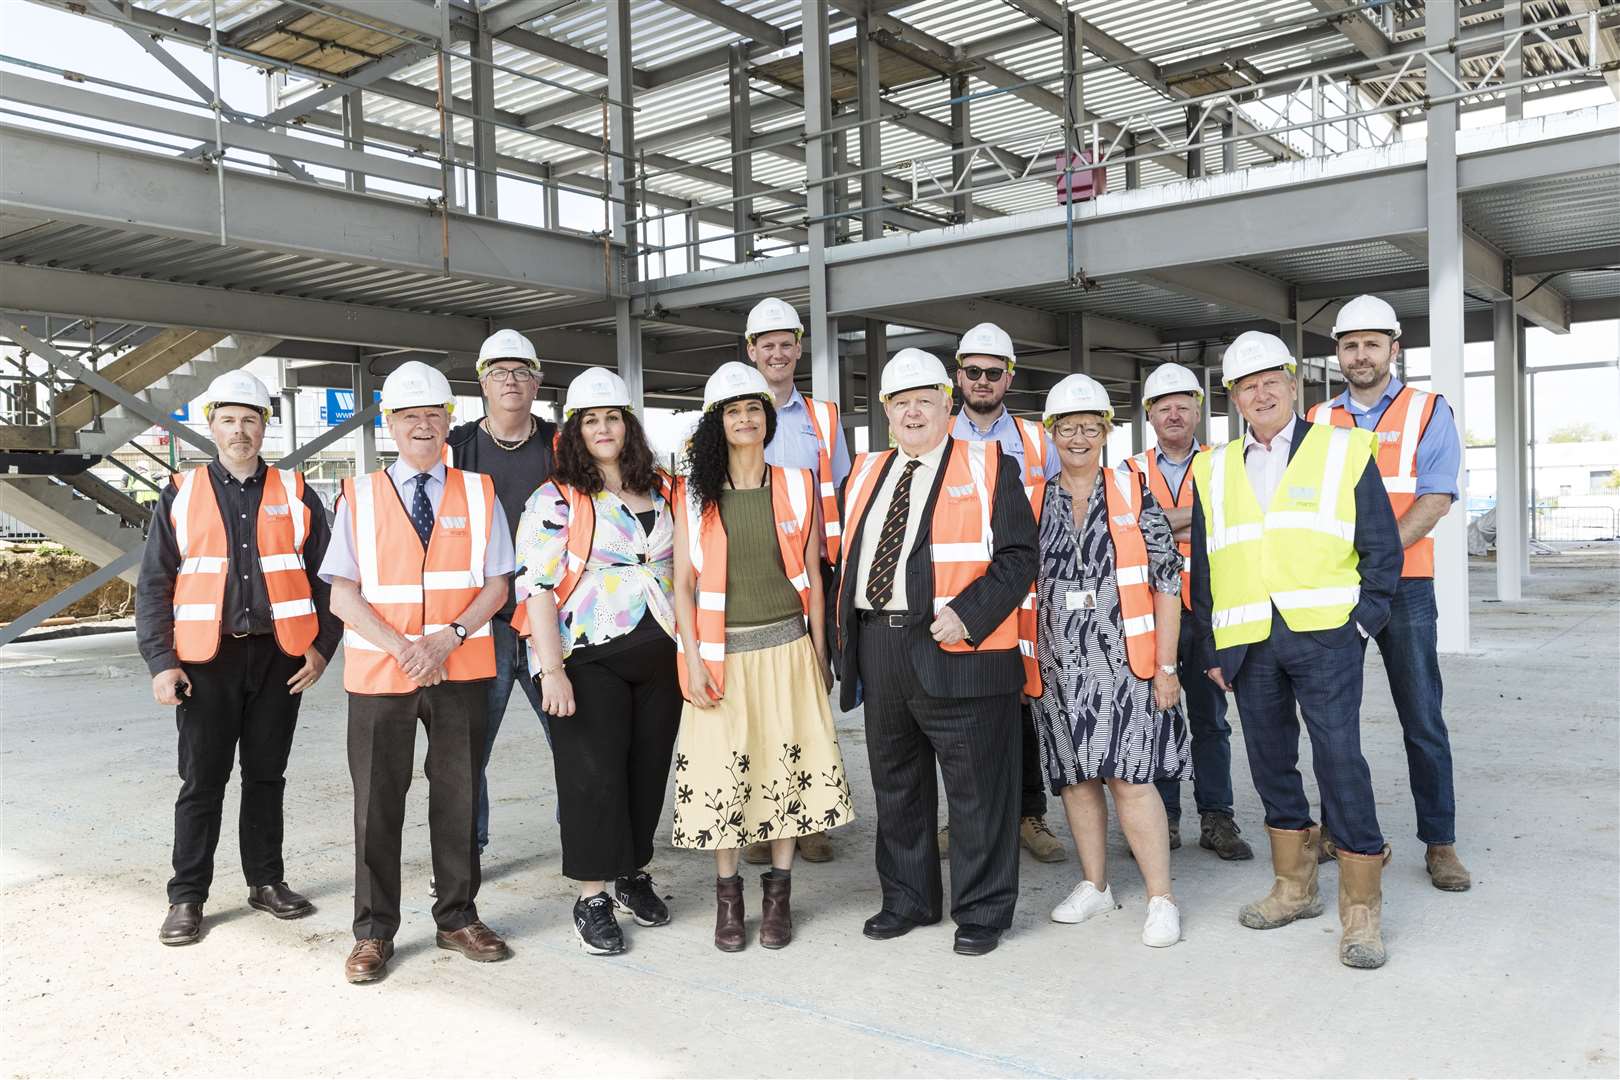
[598,930]
[634,895]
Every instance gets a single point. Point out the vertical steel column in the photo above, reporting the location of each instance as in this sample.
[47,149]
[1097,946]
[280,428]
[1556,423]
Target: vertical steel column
[877,354]
[1510,506]
[1293,335]
[1527,436]
[1133,169]
[1079,344]
[866,63]
[817,154]
[1195,143]
[844,192]
[1206,420]
[742,167]
[365,446]
[961,136]
[1229,148]
[1446,318]
[553,201]
[485,196]
[690,220]
[1512,68]
[1138,412]
[621,166]
[354,135]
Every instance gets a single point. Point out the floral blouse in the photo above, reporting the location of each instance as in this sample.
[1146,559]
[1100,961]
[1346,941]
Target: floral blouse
[628,573]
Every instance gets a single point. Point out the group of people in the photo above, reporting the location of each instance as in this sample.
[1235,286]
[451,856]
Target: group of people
[1010,612]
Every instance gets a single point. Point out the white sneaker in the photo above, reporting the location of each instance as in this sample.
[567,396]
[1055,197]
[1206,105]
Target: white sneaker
[1084,903]
[1163,926]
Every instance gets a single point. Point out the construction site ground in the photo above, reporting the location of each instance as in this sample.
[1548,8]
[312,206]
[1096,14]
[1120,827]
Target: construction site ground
[1516,978]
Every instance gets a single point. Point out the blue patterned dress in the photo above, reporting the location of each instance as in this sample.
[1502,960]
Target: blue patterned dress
[1095,718]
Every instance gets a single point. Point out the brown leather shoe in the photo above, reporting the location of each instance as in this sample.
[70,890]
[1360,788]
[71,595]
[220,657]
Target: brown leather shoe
[182,925]
[279,901]
[368,961]
[775,911]
[815,847]
[1446,870]
[728,915]
[475,941]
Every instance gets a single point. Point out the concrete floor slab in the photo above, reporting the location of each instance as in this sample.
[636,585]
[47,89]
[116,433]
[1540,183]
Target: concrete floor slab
[1520,977]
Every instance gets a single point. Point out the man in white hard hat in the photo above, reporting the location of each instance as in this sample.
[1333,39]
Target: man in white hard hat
[512,446]
[1295,561]
[1419,457]
[1173,399]
[928,628]
[419,564]
[808,436]
[985,359]
[234,626]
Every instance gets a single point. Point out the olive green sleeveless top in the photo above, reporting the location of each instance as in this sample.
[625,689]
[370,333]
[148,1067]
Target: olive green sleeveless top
[757,588]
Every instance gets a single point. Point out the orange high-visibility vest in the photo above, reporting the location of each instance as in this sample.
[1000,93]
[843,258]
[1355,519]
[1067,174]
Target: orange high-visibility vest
[793,493]
[960,541]
[418,592]
[1399,431]
[1146,466]
[1034,438]
[824,419]
[199,588]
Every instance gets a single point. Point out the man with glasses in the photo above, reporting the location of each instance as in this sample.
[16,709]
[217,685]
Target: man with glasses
[511,446]
[984,372]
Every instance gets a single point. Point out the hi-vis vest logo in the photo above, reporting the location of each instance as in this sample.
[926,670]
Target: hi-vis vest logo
[453,522]
[960,491]
[282,510]
[1302,494]
[1389,436]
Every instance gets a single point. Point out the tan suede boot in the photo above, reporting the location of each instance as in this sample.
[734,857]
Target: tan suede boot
[1294,894]
[1446,870]
[1361,903]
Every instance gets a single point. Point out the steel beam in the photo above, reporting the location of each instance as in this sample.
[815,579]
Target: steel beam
[738,22]
[1511,507]
[1236,287]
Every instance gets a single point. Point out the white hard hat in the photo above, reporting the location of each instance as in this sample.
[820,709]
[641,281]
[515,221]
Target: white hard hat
[1077,393]
[987,339]
[596,388]
[236,388]
[910,368]
[773,314]
[1252,351]
[414,384]
[1171,379]
[1367,313]
[732,380]
[506,345]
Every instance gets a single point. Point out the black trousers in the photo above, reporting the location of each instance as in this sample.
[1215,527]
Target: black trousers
[1032,793]
[238,698]
[612,758]
[382,749]
[973,740]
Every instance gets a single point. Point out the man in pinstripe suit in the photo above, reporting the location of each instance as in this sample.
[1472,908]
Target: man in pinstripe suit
[926,612]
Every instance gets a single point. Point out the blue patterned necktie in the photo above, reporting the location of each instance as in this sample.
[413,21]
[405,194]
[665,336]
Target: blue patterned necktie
[422,509]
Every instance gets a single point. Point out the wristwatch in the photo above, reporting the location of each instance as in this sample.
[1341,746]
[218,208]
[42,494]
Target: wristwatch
[1167,669]
[460,631]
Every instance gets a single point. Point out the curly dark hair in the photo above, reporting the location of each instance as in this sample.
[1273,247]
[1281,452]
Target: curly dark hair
[576,468]
[708,457]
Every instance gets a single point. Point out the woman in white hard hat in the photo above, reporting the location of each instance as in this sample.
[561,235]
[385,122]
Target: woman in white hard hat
[758,758]
[1109,623]
[597,545]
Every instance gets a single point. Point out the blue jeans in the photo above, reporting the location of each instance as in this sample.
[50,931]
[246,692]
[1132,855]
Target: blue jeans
[1211,736]
[511,665]
[1325,681]
[1407,644]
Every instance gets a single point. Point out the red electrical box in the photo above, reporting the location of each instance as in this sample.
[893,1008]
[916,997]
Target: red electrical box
[1081,184]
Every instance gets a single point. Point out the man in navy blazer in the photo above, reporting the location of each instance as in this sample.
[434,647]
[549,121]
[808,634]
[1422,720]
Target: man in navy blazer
[1320,670]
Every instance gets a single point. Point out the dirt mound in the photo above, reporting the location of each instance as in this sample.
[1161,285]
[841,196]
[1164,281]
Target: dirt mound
[29,578]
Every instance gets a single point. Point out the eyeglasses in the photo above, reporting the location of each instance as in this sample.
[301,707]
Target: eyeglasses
[976,373]
[1070,430]
[517,375]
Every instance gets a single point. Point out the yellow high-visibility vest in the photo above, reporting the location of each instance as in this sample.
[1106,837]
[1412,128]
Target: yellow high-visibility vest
[1300,554]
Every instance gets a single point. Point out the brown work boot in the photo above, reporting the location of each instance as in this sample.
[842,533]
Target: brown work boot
[758,853]
[944,838]
[1325,850]
[1294,894]
[1174,825]
[368,961]
[1220,834]
[775,910]
[1040,841]
[475,941]
[728,915]
[814,847]
[1361,903]
[1446,870]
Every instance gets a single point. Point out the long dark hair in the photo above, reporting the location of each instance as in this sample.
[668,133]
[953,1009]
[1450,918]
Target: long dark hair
[708,457]
[576,468]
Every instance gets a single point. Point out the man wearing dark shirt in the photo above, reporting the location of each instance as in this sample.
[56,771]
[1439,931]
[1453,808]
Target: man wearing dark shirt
[234,625]
[512,447]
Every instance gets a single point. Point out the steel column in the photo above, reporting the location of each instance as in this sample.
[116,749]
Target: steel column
[867,60]
[1079,344]
[1512,71]
[1133,168]
[621,166]
[1195,142]
[1527,459]
[877,354]
[1229,148]
[485,196]
[742,172]
[1510,503]
[365,447]
[961,136]
[1446,327]
[817,154]
[1138,413]
[354,135]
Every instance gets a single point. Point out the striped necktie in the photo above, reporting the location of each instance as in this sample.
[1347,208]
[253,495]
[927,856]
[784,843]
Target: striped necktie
[880,585]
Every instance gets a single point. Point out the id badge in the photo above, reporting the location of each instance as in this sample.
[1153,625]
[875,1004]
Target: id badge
[1080,600]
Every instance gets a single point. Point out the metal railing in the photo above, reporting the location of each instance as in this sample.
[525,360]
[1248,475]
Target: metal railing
[1575,524]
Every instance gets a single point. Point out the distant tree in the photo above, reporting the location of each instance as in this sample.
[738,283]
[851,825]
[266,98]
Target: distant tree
[1473,438]
[1582,432]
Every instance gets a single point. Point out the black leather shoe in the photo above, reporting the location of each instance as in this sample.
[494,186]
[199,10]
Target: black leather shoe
[972,940]
[887,924]
[279,901]
[182,926]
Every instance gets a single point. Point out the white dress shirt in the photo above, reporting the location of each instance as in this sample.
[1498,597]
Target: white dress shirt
[922,482]
[1265,464]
